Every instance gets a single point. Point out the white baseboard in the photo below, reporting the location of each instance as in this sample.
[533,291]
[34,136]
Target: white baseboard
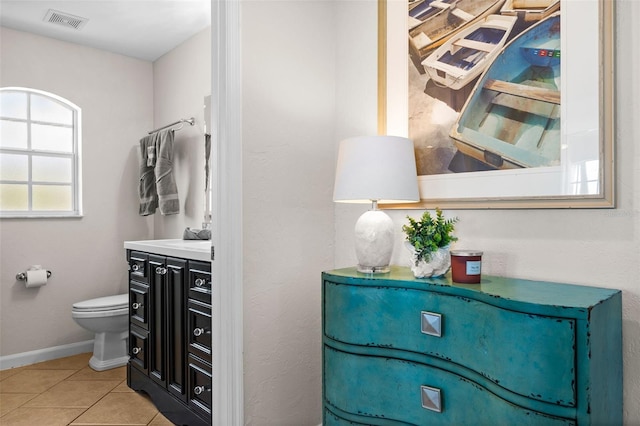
[46,354]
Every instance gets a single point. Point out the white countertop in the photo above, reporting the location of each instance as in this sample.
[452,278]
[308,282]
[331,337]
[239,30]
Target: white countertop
[186,249]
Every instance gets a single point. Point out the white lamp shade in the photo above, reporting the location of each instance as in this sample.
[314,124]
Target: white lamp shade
[380,168]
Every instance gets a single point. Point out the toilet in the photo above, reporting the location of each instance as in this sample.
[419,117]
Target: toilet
[108,318]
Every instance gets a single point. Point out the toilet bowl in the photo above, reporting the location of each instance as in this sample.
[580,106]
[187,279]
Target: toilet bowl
[108,318]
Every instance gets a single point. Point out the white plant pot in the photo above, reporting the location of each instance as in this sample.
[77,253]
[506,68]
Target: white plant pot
[437,266]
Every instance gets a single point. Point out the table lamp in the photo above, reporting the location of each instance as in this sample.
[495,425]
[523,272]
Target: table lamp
[375,169]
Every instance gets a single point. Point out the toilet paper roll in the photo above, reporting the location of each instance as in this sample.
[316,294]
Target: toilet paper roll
[36,277]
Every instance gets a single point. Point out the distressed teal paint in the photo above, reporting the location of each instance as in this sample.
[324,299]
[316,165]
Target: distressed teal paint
[390,388]
[519,351]
[472,331]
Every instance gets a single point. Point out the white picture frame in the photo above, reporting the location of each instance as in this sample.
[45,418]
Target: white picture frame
[587,111]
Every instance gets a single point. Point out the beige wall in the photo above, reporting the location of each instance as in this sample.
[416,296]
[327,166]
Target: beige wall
[86,255]
[590,247]
[288,69]
[181,80]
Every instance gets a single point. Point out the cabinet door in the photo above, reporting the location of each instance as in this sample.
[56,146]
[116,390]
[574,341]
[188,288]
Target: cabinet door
[200,281]
[139,304]
[157,323]
[199,330]
[138,266]
[138,348]
[199,387]
[176,326]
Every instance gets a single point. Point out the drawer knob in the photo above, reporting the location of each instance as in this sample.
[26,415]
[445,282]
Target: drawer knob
[431,398]
[198,390]
[199,332]
[431,323]
[200,282]
[136,305]
[136,351]
[161,271]
[135,267]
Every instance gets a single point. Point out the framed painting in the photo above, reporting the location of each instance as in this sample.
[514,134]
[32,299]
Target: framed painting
[509,102]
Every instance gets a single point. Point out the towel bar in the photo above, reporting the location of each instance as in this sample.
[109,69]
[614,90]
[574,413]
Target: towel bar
[191,121]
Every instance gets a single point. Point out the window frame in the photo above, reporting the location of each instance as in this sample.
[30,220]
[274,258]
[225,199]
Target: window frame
[75,156]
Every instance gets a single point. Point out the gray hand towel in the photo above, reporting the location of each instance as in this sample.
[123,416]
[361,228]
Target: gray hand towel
[147,185]
[196,234]
[165,181]
[207,155]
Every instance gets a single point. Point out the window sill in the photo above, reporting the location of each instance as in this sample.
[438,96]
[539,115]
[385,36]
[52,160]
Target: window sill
[62,216]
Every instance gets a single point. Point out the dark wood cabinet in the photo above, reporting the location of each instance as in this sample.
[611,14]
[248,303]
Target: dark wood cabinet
[200,389]
[170,336]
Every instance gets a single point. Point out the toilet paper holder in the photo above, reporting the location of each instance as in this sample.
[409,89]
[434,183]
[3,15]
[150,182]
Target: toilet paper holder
[22,276]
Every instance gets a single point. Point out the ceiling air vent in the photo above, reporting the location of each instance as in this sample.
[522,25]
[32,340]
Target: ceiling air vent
[65,19]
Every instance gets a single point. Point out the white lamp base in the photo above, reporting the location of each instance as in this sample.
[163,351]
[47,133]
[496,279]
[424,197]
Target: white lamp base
[374,242]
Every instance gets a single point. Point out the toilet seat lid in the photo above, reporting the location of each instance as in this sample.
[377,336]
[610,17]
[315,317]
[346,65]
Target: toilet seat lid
[103,303]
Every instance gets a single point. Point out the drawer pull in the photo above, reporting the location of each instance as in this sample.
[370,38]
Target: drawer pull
[199,332]
[431,323]
[161,271]
[135,267]
[136,305]
[431,398]
[200,282]
[198,390]
[135,351]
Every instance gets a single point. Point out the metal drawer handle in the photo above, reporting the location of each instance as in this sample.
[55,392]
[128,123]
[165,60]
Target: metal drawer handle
[199,332]
[200,282]
[431,398]
[136,305]
[431,323]
[135,267]
[161,271]
[136,351]
[198,390]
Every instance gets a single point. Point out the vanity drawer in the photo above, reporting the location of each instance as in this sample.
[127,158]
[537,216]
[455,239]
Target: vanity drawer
[200,281]
[138,304]
[518,351]
[199,391]
[139,348]
[199,329]
[138,266]
[388,389]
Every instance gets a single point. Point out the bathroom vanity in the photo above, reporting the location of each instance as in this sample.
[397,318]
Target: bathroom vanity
[170,327]
[399,350]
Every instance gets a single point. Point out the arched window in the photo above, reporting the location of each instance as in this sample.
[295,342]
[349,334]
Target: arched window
[40,171]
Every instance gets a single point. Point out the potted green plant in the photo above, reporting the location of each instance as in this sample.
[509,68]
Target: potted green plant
[428,240]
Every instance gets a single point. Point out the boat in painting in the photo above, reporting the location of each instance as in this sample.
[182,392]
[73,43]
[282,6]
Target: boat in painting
[451,18]
[512,117]
[530,10]
[465,55]
[422,10]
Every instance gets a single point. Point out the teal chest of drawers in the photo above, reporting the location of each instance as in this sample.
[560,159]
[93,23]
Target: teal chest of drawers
[404,351]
